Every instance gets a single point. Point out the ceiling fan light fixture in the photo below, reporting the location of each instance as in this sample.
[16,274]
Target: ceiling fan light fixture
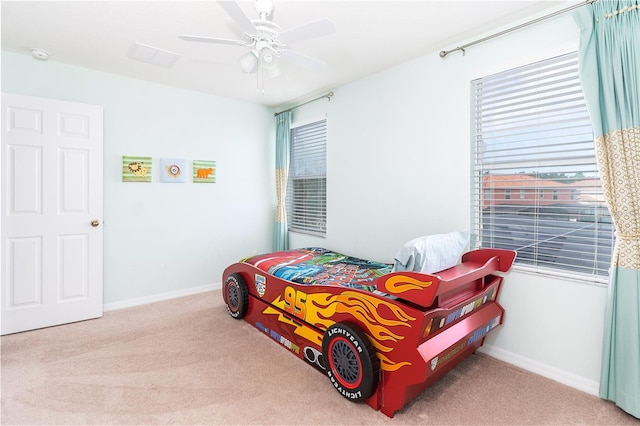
[268,59]
[248,62]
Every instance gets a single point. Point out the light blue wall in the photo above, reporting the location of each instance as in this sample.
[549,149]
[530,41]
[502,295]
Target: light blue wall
[399,167]
[159,237]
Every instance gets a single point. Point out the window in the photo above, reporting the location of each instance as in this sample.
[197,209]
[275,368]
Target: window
[306,189]
[531,131]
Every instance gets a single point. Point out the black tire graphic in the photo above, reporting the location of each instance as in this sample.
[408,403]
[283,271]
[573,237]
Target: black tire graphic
[350,362]
[236,296]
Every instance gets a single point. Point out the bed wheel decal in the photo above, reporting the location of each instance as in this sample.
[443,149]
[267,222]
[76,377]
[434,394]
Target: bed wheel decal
[350,362]
[236,295]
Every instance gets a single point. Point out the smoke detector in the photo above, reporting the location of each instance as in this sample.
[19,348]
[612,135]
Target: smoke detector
[40,54]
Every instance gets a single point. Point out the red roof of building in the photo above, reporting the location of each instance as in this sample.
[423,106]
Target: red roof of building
[519,181]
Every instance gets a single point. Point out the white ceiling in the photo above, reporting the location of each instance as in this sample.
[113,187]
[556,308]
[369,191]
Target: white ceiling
[370,36]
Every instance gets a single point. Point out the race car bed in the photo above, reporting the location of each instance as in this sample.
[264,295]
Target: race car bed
[380,336]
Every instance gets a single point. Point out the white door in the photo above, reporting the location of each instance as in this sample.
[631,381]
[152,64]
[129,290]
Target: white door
[51,220]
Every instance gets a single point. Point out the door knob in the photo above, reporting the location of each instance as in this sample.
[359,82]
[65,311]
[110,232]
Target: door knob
[95,223]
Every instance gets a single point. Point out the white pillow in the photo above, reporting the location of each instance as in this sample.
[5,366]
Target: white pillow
[432,253]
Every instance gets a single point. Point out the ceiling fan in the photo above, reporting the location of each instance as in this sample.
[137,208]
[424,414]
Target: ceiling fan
[266,41]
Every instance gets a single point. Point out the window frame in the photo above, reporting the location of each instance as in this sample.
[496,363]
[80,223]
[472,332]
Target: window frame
[480,237]
[315,208]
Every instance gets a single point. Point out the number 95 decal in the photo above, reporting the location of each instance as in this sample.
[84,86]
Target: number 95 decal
[295,302]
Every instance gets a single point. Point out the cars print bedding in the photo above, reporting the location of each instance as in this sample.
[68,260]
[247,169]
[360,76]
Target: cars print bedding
[319,266]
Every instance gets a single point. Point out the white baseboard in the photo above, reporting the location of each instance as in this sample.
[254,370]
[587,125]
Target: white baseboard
[160,297]
[544,370]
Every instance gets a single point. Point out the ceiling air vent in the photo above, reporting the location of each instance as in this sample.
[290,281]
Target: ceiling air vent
[152,55]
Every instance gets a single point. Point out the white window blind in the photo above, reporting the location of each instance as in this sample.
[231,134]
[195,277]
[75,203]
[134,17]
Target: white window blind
[306,190]
[532,136]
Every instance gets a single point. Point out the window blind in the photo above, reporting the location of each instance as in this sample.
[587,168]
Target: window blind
[536,187]
[306,190]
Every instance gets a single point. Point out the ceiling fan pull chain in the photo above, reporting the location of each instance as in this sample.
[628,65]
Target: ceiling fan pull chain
[260,79]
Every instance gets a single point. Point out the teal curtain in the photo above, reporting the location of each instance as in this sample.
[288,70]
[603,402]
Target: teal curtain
[283,129]
[610,78]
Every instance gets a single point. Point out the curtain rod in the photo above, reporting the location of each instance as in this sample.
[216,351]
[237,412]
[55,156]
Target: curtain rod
[327,95]
[444,53]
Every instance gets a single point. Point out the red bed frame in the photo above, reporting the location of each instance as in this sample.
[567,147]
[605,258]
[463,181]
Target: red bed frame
[382,347]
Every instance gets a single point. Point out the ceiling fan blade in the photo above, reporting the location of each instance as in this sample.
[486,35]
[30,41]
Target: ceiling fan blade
[210,39]
[305,61]
[317,28]
[237,14]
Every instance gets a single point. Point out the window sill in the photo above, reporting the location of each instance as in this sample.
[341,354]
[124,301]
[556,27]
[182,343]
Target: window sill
[568,276]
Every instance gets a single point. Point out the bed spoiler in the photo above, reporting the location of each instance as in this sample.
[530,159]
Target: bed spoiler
[427,289]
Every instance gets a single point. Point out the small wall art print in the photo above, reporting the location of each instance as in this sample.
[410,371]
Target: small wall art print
[204,171]
[136,169]
[173,170]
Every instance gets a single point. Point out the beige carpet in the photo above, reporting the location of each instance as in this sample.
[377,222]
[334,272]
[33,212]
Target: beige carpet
[185,361]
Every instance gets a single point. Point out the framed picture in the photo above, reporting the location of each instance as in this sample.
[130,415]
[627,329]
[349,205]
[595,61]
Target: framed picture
[204,171]
[136,169]
[172,170]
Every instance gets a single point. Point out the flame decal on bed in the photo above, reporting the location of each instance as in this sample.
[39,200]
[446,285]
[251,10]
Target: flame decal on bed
[401,283]
[388,365]
[378,316]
